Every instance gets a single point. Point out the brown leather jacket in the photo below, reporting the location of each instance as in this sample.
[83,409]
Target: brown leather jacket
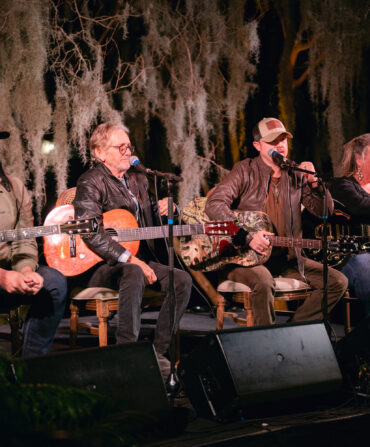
[245,189]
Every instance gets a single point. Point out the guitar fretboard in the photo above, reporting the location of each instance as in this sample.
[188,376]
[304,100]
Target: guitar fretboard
[28,233]
[137,234]
[280,241]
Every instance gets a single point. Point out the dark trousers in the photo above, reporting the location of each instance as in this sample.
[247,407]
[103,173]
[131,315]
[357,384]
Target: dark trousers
[130,280]
[260,280]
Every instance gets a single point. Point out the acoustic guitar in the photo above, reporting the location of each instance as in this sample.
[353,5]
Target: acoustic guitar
[213,253]
[71,256]
[340,225]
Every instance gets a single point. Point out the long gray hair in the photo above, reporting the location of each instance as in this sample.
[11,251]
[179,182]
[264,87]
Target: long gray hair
[353,150]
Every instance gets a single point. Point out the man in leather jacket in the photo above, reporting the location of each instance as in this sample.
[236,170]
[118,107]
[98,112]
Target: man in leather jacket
[111,184]
[259,184]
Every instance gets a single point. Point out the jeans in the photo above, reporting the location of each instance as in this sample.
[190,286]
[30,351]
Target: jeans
[129,279]
[46,311]
[357,270]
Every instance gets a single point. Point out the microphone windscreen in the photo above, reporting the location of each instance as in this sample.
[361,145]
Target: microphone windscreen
[133,160]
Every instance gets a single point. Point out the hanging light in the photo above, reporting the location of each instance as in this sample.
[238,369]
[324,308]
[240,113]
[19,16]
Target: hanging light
[47,147]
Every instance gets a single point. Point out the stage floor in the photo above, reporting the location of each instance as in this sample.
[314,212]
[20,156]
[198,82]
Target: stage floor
[193,326]
[336,425]
[339,427]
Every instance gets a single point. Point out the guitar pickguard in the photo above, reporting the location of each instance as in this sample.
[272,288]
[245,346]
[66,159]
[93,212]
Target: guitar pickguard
[207,253]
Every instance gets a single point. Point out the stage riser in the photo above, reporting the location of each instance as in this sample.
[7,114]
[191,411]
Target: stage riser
[353,353]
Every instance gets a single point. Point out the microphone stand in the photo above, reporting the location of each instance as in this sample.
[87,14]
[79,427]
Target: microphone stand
[324,302]
[172,382]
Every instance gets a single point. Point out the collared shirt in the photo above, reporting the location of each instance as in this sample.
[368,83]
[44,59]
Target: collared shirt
[124,182]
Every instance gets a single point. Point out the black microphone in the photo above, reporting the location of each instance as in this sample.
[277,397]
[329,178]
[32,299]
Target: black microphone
[136,163]
[280,160]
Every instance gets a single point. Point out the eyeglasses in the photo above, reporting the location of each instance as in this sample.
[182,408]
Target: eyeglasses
[123,148]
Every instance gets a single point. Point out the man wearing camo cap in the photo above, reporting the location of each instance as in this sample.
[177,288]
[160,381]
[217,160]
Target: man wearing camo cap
[262,184]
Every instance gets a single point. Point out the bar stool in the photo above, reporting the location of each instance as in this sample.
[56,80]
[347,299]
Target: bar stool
[286,289]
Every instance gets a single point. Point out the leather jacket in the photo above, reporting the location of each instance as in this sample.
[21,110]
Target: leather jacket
[98,191]
[245,188]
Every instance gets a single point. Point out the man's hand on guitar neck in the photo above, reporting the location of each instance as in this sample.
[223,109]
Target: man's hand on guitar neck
[259,242]
[148,272]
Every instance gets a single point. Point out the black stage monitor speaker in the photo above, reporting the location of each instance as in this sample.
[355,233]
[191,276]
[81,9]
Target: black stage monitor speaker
[234,369]
[353,353]
[127,375]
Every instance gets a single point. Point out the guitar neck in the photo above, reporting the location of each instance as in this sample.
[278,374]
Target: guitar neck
[28,233]
[280,241]
[138,234]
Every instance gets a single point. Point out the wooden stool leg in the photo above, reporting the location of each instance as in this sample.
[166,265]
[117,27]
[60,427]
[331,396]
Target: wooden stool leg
[102,312]
[220,312]
[348,327]
[248,309]
[15,336]
[178,347]
[347,310]
[73,325]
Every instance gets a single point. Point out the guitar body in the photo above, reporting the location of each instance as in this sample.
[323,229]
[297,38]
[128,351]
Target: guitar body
[207,253]
[57,248]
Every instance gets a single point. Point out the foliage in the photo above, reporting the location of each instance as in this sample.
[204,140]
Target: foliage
[29,406]
[339,35]
[46,414]
[189,64]
[25,110]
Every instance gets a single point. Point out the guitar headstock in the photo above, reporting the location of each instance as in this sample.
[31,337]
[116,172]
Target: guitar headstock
[350,244]
[221,228]
[80,226]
